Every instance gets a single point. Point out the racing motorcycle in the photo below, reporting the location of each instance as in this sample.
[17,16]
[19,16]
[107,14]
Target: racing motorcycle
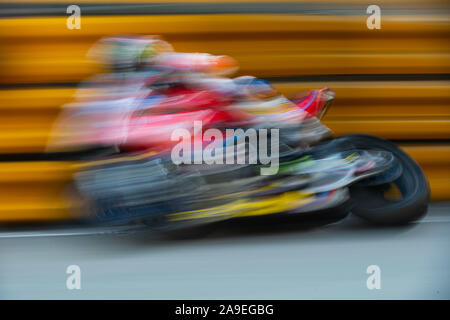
[140,182]
[137,179]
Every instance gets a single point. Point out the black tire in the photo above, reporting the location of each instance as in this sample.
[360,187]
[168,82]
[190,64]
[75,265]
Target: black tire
[370,203]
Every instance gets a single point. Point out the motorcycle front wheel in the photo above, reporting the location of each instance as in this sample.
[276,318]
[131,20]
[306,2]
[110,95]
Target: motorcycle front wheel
[403,200]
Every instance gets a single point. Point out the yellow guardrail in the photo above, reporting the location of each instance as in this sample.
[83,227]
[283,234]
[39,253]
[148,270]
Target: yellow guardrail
[393,110]
[32,191]
[45,50]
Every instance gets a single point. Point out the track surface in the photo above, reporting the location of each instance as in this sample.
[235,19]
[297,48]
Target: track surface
[325,262]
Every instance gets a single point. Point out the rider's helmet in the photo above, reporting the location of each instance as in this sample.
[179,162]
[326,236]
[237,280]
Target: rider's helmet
[128,53]
[149,48]
[254,88]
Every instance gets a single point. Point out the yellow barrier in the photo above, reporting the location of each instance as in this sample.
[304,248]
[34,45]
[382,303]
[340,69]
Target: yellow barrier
[372,98]
[435,161]
[44,50]
[38,191]
[394,110]
[35,191]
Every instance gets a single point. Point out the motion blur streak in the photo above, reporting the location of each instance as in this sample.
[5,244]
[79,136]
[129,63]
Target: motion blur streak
[75,190]
[391,82]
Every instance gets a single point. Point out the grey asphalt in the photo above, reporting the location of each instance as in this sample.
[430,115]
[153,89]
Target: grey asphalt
[327,262]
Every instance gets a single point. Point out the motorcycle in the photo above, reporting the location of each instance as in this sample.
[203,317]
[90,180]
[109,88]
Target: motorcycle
[138,181]
[352,173]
